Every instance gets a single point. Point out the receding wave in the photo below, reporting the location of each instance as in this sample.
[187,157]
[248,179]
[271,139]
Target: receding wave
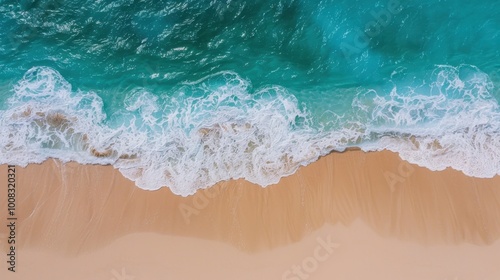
[220,128]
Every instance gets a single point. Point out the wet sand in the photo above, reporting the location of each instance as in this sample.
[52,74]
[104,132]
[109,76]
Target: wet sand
[351,215]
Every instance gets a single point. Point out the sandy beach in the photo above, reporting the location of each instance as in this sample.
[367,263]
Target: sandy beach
[351,216]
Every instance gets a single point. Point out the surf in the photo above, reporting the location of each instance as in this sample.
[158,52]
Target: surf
[221,128]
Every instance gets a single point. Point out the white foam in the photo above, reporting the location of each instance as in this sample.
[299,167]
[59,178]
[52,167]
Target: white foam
[217,129]
[453,122]
[203,133]
[46,119]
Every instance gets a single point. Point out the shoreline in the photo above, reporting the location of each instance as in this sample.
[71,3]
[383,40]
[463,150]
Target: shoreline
[75,210]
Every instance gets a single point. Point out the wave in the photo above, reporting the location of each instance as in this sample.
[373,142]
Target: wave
[205,132]
[454,121]
[219,128]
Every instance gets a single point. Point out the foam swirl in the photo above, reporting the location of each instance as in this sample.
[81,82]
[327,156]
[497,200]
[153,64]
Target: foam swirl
[219,128]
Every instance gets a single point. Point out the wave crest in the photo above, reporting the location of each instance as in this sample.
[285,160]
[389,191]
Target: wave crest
[203,133]
[219,128]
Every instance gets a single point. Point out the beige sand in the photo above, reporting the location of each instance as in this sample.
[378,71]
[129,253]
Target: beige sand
[383,219]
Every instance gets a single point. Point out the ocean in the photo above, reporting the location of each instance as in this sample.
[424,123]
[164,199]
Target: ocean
[189,93]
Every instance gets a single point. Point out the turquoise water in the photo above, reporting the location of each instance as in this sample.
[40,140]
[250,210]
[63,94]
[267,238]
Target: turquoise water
[188,93]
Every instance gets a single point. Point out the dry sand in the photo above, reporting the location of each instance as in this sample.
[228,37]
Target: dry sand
[349,216]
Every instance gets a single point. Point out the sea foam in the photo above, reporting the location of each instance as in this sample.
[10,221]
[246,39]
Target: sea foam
[202,133]
[454,121]
[220,128]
